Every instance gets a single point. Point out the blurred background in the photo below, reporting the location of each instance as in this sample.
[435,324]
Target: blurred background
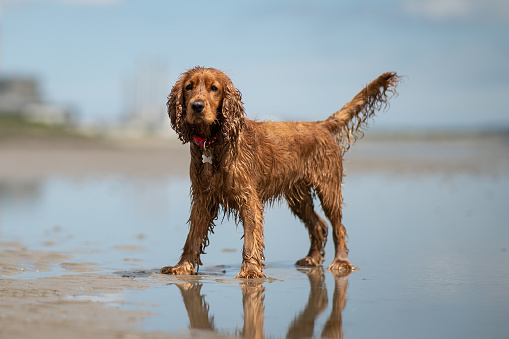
[112,62]
[90,168]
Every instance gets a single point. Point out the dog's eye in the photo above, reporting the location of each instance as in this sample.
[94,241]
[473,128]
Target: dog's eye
[189,87]
[214,88]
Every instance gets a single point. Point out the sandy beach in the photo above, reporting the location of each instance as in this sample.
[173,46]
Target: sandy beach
[70,305]
[33,157]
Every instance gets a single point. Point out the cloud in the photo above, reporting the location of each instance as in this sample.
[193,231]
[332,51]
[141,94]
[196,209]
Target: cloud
[458,9]
[438,9]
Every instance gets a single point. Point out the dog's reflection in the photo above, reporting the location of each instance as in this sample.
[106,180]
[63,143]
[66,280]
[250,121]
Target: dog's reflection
[196,306]
[304,323]
[253,297]
[334,326]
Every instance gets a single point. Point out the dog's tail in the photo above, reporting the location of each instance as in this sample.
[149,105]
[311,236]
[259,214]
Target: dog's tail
[347,123]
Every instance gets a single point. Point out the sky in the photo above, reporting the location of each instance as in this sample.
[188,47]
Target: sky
[291,59]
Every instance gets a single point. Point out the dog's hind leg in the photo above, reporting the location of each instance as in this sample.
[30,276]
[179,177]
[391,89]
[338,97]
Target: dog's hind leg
[331,199]
[300,202]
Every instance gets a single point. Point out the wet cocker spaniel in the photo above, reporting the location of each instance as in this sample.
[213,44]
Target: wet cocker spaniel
[238,165]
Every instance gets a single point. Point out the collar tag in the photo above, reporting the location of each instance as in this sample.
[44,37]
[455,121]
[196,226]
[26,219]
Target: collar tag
[205,159]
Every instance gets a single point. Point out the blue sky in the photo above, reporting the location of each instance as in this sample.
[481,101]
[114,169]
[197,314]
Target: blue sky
[298,60]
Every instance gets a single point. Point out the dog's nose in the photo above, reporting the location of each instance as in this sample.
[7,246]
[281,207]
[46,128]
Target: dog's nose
[198,106]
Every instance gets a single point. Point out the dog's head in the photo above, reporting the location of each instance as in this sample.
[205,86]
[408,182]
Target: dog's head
[204,103]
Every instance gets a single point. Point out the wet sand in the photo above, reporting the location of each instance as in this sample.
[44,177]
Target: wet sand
[50,307]
[70,304]
[36,158]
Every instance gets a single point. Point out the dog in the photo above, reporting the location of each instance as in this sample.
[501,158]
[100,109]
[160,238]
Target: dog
[239,165]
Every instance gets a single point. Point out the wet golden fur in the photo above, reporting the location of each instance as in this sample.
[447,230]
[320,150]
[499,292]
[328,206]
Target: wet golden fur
[255,162]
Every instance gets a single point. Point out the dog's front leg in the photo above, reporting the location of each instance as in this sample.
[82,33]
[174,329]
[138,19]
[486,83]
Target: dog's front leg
[203,213]
[251,214]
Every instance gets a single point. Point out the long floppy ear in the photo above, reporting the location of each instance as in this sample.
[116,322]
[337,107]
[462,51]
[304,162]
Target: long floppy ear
[177,111]
[233,113]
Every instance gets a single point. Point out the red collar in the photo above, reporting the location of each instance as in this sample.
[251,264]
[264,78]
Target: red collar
[204,142]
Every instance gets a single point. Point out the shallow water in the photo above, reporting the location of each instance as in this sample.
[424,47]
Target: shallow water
[432,248]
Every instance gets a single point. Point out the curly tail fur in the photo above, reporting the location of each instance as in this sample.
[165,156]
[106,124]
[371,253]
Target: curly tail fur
[347,123]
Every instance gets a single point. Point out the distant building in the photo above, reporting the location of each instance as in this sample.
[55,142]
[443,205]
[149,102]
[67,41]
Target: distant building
[21,96]
[145,93]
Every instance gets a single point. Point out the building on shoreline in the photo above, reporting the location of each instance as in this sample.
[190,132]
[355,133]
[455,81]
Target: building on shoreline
[20,96]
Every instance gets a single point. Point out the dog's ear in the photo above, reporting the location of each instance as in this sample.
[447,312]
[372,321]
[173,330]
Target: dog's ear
[177,110]
[233,113]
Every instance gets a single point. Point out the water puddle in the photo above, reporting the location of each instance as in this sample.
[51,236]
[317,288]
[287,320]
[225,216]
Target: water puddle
[432,251]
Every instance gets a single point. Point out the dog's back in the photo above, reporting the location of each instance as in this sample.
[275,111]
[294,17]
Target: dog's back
[289,153]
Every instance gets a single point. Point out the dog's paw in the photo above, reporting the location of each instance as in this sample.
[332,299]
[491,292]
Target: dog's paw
[250,274]
[343,265]
[182,269]
[308,261]
[250,271]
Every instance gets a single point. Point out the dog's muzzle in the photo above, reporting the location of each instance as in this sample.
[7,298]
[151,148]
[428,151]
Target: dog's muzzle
[198,106]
